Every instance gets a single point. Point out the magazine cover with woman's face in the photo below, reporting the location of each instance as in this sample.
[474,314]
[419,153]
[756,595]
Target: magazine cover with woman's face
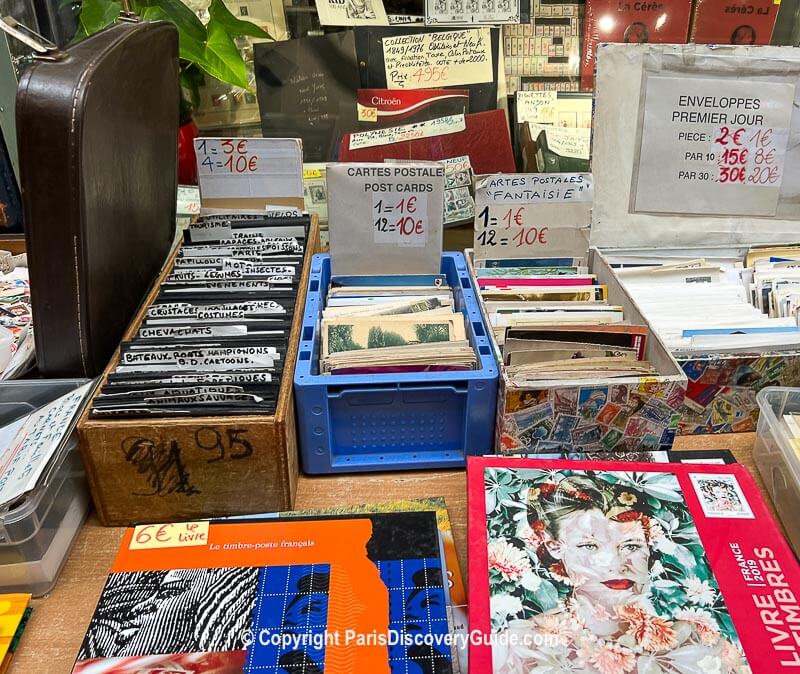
[604,571]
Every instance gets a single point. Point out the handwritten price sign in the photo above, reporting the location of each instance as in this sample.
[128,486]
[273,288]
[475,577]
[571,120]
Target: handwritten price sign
[514,220]
[250,173]
[713,146]
[400,220]
[229,155]
[748,155]
[429,60]
[532,215]
[179,535]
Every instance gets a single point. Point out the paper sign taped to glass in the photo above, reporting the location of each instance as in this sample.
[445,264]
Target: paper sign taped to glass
[718,127]
[385,218]
[420,57]
[532,215]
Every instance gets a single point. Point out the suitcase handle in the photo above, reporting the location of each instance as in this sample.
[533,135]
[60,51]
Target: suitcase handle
[45,50]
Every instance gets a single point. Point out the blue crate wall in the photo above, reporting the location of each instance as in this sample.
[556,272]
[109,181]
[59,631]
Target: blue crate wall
[349,423]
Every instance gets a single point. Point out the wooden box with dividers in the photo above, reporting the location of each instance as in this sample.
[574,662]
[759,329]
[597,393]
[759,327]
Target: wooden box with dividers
[170,469]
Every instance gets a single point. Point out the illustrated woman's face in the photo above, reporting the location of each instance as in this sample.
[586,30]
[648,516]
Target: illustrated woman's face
[605,560]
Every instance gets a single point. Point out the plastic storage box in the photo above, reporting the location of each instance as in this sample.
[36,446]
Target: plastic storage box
[777,461]
[394,421]
[37,531]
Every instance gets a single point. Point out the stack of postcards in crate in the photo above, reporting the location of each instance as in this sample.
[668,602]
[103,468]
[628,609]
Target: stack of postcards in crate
[395,368]
[714,271]
[580,369]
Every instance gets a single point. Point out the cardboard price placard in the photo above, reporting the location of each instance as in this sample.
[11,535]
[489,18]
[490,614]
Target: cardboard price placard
[254,173]
[720,144]
[532,215]
[377,209]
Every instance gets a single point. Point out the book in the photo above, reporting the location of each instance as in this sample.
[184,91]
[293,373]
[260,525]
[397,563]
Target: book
[456,592]
[631,22]
[360,593]
[602,567]
[722,22]
[14,613]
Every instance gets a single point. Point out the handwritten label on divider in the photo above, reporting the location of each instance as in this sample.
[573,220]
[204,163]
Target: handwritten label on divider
[532,215]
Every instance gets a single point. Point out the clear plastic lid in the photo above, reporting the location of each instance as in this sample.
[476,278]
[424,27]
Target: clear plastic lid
[22,518]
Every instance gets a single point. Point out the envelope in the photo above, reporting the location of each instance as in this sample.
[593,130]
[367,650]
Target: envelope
[485,138]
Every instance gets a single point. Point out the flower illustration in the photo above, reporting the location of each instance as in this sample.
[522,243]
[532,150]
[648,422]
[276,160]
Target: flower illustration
[511,562]
[504,606]
[613,659]
[531,581]
[558,572]
[533,493]
[703,623]
[628,499]
[651,632]
[699,591]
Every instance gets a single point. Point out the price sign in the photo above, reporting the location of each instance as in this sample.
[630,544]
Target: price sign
[720,144]
[538,107]
[250,172]
[400,220]
[432,60]
[532,215]
[376,209]
[178,535]
[399,134]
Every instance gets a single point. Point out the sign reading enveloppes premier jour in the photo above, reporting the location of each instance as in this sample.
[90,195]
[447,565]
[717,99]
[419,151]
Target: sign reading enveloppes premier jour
[532,215]
[432,60]
[720,144]
[385,218]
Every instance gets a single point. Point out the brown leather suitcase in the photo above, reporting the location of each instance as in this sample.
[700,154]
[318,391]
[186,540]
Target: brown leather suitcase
[97,131]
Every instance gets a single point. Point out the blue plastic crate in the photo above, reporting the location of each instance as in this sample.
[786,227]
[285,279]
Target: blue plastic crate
[349,423]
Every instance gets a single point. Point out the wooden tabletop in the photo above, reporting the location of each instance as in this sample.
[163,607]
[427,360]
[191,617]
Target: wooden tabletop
[59,620]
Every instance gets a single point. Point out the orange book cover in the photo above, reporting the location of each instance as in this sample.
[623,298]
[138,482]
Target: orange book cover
[13,615]
[324,594]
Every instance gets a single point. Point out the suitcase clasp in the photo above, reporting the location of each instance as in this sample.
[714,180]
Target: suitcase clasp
[45,50]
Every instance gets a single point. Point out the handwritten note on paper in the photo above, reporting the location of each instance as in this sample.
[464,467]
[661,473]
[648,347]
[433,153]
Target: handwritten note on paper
[406,132]
[567,142]
[538,107]
[173,535]
[532,215]
[249,168]
[38,437]
[431,60]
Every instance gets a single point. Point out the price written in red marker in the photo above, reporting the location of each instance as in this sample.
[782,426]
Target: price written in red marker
[747,156]
[513,219]
[399,220]
[227,156]
[430,74]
